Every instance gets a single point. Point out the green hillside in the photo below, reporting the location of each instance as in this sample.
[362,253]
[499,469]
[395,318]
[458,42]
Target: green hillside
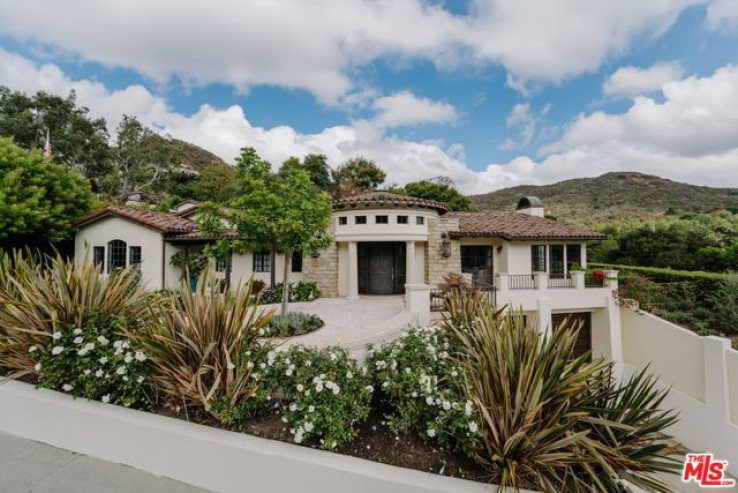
[612,197]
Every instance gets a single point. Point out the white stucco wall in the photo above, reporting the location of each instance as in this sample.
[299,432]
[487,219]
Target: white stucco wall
[243,267]
[515,257]
[392,231]
[100,232]
[732,367]
[673,352]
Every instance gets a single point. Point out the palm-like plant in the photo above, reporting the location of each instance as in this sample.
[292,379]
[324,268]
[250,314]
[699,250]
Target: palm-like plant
[550,421]
[201,346]
[37,298]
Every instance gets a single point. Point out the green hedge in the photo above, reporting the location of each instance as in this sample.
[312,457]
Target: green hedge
[657,271]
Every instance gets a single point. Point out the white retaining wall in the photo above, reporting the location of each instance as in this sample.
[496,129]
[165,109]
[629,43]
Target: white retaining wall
[702,373]
[218,460]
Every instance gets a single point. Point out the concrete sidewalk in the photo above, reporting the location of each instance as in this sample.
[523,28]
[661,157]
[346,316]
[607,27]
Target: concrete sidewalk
[32,467]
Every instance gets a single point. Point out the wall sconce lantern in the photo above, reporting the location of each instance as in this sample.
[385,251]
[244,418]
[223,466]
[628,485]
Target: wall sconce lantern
[499,249]
[445,245]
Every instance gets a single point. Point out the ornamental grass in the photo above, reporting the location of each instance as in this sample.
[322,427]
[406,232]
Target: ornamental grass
[202,347]
[551,421]
[43,295]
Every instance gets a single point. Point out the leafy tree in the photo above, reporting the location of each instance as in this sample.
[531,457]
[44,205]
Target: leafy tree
[38,198]
[142,159]
[725,302]
[316,165]
[440,189]
[217,183]
[78,140]
[357,175]
[280,212]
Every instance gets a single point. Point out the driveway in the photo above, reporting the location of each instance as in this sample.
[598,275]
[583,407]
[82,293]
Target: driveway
[32,467]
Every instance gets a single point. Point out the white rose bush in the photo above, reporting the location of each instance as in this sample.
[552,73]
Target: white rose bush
[94,362]
[322,394]
[419,380]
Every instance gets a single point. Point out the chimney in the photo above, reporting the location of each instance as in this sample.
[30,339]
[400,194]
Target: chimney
[533,206]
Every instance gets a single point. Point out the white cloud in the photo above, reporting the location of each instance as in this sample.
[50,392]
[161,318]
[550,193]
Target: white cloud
[723,15]
[522,118]
[316,45]
[633,81]
[689,137]
[404,108]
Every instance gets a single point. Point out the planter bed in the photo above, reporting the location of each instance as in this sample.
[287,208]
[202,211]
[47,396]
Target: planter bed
[225,461]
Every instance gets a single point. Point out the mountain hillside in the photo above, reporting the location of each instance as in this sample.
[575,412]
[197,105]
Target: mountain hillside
[193,157]
[613,196]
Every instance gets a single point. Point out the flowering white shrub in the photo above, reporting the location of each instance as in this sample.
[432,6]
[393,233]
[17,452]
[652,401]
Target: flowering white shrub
[92,362]
[420,381]
[322,393]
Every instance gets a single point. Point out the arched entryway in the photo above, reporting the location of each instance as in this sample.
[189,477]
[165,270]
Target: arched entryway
[382,267]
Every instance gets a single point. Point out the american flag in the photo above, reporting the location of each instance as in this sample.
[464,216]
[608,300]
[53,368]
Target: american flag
[47,146]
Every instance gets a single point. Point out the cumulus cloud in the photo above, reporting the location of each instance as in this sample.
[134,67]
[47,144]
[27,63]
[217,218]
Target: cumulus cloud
[404,108]
[316,45]
[631,81]
[723,15]
[690,136]
[524,120]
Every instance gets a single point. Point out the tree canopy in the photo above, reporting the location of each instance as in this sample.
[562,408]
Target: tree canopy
[39,199]
[356,176]
[440,189]
[78,140]
[316,166]
[279,212]
[689,242]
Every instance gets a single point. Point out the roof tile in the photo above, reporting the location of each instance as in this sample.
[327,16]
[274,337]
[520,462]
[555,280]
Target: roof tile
[516,226]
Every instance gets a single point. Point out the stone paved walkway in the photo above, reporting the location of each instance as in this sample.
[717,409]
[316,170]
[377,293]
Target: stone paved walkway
[32,467]
[351,322]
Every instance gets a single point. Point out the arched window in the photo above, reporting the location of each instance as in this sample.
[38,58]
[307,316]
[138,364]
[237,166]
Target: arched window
[116,255]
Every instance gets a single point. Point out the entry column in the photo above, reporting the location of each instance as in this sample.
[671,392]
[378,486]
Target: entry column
[409,262]
[353,272]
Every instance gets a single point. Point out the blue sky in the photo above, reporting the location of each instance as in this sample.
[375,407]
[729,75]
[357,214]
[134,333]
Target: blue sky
[491,93]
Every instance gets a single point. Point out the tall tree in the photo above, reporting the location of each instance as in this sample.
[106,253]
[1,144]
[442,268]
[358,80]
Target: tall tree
[217,183]
[38,198]
[316,166]
[440,189]
[78,140]
[279,212]
[142,160]
[357,175]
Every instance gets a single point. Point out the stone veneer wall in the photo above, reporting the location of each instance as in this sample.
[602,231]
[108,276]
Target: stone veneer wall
[436,265]
[323,270]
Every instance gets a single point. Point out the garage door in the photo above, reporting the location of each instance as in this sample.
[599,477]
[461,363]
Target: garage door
[584,341]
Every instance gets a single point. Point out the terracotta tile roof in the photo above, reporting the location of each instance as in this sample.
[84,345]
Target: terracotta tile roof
[166,222]
[516,226]
[389,199]
[197,235]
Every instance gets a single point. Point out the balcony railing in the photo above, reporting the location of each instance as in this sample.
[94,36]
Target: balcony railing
[522,281]
[560,281]
[438,296]
[593,281]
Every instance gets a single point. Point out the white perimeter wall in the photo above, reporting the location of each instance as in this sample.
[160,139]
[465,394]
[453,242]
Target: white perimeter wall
[702,373]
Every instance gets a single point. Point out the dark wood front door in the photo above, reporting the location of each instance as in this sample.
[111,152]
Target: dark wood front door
[381,268]
[584,340]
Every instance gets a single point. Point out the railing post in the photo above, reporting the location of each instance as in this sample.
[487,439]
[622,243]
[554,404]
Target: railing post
[577,278]
[611,279]
[502,282]
[541,280]
[417,300]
